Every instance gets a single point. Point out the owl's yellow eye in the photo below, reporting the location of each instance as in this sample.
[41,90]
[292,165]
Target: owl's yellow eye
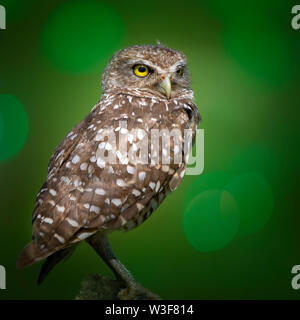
[179,72]
[141,70]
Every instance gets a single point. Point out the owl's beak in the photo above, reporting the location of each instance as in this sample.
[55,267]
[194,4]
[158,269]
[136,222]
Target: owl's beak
[165,87]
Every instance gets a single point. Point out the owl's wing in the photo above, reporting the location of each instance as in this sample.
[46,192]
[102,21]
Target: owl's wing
[59,157]
[126,194]
[50,202]
[84,193]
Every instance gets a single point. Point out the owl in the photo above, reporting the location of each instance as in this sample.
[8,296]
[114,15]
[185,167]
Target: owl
[111,171]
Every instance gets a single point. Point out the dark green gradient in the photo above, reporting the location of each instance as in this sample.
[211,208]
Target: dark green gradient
[244,62]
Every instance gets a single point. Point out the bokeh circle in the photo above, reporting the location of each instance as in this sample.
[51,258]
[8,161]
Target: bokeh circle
[208,181]
[80,35]
[13,126]
[211,220]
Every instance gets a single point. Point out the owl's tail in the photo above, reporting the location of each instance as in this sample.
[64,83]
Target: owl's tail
[31,254]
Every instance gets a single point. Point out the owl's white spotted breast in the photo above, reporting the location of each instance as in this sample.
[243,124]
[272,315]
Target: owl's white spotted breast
[83,193]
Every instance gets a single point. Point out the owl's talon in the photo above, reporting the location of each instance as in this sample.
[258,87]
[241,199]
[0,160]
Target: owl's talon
[137,293]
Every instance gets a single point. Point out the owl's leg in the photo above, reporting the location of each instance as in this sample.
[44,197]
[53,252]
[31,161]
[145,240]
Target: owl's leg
[133,290]
[100,244]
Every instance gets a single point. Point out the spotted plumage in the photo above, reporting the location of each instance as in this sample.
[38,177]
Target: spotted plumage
[97,181]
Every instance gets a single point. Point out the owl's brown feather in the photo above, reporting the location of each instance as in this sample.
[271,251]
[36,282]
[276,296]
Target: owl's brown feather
[83,193]
[71,204]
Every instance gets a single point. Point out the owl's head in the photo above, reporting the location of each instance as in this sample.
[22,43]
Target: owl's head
[148,70]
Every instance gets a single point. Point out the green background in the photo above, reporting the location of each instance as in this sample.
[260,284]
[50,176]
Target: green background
[230,233]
